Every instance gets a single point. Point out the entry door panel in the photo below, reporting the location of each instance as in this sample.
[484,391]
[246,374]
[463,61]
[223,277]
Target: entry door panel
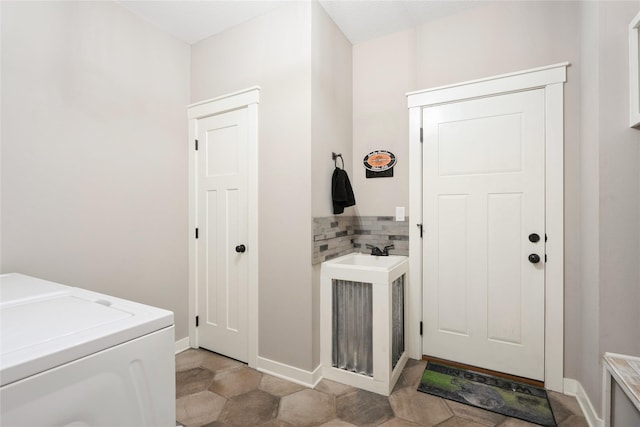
[222,225]
[483,195]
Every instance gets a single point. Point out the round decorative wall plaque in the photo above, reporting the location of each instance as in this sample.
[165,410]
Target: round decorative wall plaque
[379,160]
[379,164]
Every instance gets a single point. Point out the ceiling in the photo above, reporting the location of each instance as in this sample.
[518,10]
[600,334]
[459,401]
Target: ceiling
[359,20]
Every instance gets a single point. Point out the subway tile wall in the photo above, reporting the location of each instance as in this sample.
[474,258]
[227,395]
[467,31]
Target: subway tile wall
[334,236]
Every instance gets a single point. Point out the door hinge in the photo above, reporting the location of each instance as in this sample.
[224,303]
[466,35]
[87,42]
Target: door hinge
[420,328]
[545,257]
[421,229]
[197,321]
[196,233]
[196,145]
[421,140]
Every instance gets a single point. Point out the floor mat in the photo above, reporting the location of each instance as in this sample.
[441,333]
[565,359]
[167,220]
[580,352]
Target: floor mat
[506,397]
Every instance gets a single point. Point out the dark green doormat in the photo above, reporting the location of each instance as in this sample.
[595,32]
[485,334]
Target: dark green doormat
[511,398]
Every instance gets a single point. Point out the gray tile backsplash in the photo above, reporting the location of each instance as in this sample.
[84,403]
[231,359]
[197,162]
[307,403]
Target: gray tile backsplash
[334,236]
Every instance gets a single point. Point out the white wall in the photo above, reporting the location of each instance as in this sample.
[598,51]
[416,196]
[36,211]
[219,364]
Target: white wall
[619,186]
[274,52]
[495,38]
[331,107]
[619,193]
[94,188]
[383,72]
[610,285]
[331,129]
[590,200]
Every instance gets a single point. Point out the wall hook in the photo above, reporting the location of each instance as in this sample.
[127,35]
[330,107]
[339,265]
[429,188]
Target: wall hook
[334,157]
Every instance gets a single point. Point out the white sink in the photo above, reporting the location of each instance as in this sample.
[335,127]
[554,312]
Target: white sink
[369,261]
[365,268]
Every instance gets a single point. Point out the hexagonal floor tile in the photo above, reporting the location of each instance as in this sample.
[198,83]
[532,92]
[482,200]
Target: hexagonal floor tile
[460,422]
[189,359]
[278,387]
[574,421]
[421,408]
[217,363]
[307,408]
[250,409]
[514,422]
[411,374]
[192,381]
[363,407]
[234,382]
[276,423]
[399,422]
[563,406]
[199,408]
[337,423]
[334,388]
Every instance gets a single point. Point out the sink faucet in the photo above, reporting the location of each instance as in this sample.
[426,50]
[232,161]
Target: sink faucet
[377,252]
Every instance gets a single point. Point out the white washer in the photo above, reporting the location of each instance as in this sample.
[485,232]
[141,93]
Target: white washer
[72,357]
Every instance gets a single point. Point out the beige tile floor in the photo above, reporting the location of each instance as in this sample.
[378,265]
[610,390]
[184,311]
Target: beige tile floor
[212,390]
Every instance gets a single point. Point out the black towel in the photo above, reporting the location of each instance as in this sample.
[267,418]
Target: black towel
[341,191]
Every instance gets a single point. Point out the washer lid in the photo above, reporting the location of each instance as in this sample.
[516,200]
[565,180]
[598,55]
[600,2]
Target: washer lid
[45,324]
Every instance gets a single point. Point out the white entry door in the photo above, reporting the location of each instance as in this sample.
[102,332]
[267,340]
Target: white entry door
[221,220]
[484,241]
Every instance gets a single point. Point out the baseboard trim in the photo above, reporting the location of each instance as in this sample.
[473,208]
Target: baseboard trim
[271,367]
[290,373]
[574,388]
[182,345]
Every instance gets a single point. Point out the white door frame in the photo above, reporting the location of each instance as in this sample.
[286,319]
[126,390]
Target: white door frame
[551,79]
[249,99]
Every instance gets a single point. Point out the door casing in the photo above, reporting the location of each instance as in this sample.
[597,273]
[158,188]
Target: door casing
[249,99]
[551,79]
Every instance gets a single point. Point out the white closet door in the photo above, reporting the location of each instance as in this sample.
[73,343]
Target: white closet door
[222,227]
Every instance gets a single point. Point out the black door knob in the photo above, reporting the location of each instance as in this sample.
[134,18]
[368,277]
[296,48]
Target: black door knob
[534,237]
[534,258]
[241,248]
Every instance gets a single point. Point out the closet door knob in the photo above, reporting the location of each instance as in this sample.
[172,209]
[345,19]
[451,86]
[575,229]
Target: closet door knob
[534,258]
[241,248]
